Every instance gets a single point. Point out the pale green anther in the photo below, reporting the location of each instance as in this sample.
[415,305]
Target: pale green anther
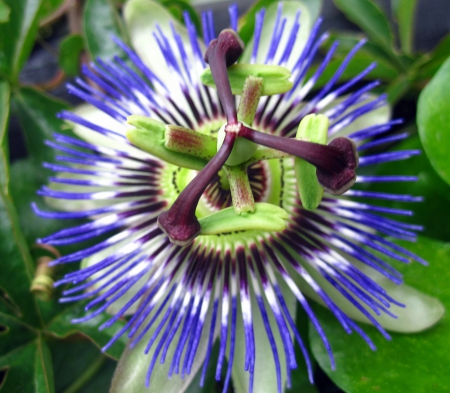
[276,78]
[243,149]
[240,189]
[251,94]
[183,140]
[312,128]
[267,217]
[149,135]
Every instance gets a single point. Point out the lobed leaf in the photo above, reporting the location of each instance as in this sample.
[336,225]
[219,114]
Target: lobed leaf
[16,264]
[37,114]
[100,22]
[70,50]
[369,17]
[18,36]
[404,11]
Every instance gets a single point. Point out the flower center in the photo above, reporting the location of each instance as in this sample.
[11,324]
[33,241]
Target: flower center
[217,195]
[239,147]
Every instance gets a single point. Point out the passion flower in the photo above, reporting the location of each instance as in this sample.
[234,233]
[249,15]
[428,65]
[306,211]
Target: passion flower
[212,215]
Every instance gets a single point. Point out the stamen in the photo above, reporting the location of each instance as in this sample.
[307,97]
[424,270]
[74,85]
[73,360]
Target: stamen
[241,191]
[335,163]
[179,222]
[251,94]
[184,140]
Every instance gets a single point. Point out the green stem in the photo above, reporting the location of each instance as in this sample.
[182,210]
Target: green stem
[87,375]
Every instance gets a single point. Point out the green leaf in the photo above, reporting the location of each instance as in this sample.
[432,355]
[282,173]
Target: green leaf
[23,193]
[100,22]
[398,89]
[367,15]
[79,365]
[69,54]
[246,24]
[4,12]
[409,363]
[17,36]
[15,334]
[25,356]
[16,264]
[176,7]
[101,378]
[49,7]
[61,326]
[4,118]
[433,119]
[426,66]
[37,114]
[27,370]
[405,10]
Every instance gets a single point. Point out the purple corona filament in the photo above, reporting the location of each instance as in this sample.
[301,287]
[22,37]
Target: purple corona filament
[183,292]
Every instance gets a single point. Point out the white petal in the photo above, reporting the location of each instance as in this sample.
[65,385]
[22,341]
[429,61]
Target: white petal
[142,18]
[421,312]
[309,12]
[378,116]
[132,368]
[100,118]
[265,378]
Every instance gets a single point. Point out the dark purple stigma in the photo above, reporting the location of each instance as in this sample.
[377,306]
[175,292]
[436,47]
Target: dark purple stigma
[335,163]
[222,53]
[179,222]
[339,178]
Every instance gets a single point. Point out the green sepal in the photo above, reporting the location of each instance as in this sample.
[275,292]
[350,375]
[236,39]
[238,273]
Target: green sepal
[266,217]
[149,135]
[276,78]
[312,128]
[183,140]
